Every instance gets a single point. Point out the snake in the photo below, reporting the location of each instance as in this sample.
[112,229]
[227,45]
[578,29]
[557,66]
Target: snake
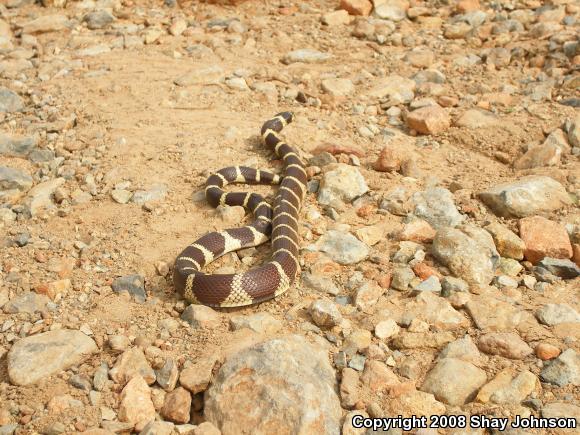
[277,222]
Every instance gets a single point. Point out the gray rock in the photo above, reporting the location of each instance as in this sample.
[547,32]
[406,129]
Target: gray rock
[306,55]
[155,193]
[200,316]
[29,302]
[325,313]
[563,268]
[450,284]
[40,196]
[468,252]
[319,283]
[14,146]
[431,284]
[564,370]
[463,349]
[287,382]
[14,179]
[402,277]
[158,428]
[39,356]
[554,314]
[436,206]
[344,248]
[454,381]
[98,19]
[41,155]
[8,429]
[262,323]
[343,183]
[167,375]
[493,314]
[134,284]
[562,410]
[526,196]
[10,101]
[122,196]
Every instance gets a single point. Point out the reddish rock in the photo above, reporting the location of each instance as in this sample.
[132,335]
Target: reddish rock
[334,149]
[544,238]
[576,253]
[378,377]
[177,406]
[424,271]
[418,230]
[429,120]
[389,160]
[464,6]
[385,280]
[546,351]
[136,406]
[357,7]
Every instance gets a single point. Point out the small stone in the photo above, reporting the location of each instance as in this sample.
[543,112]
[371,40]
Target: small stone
[231,215]
[554,314]
[379,378]
[343,248]
[431,284]
[155,193]
[338,87]
[133,284]
[343,183]
[177,27]
[14,179]
[237,83]
[476,118]
[16,146]
[203,75]
[393,90]
[38,356]
[507,243]
[319,284]
[417,230]
[119,343]
[10,101]
[547,351]
[261,323]
[463,349]
[450,284]
[98,19]
[429,120]
[28,302]
[509,267]
[517,390]
[200,316]
[563,268]
[506,344]
[325,313]
[526,196]
[393,10]
[130,364]
[121,196]
[436,206]
[40,197]
[402,278]
[561,410]
[420,58]
[386,329]
[367,295]
[389,160]
[357,7]
[544,238]
[370,235]
[564,370]
[493,314]
[197,377]
[336,18]
[306,55]
[136,406]
[157,428]
[167,375]
[46,23]
[454,381]
[177,406]
[206,428]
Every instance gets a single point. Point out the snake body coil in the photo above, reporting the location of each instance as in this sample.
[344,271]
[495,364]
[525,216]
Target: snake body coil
[281,222]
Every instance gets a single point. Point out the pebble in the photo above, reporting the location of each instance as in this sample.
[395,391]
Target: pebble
[561,410]
[270,378]
[547,351]
[544,238]
[28,302]
[16,146]
[261,323]
[45,23]
[155,193]
[563,268]
[324,313]
[338,87]
[402,277]
[10,101]
[516,390]
[554,314]
[167,375]
[436,206]
[429,120]
[197,377]
[98,19]
[157,428]
[505,344]
[393,10]
[133,284]
[463,349]
[132,363]
[476,118]
[135,405]
[40,197]
[431,284]
[177,406]
[450,284]
[121,196]
[469,252]
[36,357]
[525,197]
[393,90]
[306,55]
[336,18]
[341,184]
[508,244]
[14,179]
[200,316]
[493,314]
[357,7]
[386,329]
[454,381]
[564,370]
[368,295]
[344,248]
[319,284]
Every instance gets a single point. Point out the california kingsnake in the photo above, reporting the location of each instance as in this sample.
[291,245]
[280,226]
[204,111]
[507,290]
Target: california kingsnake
[272,278]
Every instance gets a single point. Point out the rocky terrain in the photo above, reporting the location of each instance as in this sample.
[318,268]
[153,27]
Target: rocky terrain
[440,235]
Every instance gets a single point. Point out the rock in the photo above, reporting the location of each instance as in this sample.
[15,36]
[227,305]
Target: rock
[436,206]
[157,428]
[493,314]
[286,381]
[136,406]
[429,120]
[7,217]
[564,370]
[14,179]
[262,323]
[16,146]
[177,406]
[463,349]
[422,58]
[394,10]
[544,238]
[203,75]
[98,19]
[507,243]
[357,7]
[319,284]
[349,388]
[547,351]
[402,277]
[563,268]
[130,364]
[197,377]
[431,284]
[509,267]
[436,311]
[336,18]
[394,90]
[414,340]
[379,378]
[200,316]
[389,160]
[506,344]
[155,193]
[28,302]
[367,295]
[46,23]
[338,87]
[325,313]
[416,403]
[526,196]
[306,55]
[10,101]
[554,314]
[547,154]
[121,196]
[450,284]
[237,83]
[36,357]
[417,230]
[468,252]
[515,391]
[457,30]
[40,196]
[177,27]
[343,183]
[386,329]
[133,284]
[559,410]
[344,248]
[454,381]
[370,235]
[476,118]
[167,375]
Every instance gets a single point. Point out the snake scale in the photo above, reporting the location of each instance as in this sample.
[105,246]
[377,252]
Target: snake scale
[280,222]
